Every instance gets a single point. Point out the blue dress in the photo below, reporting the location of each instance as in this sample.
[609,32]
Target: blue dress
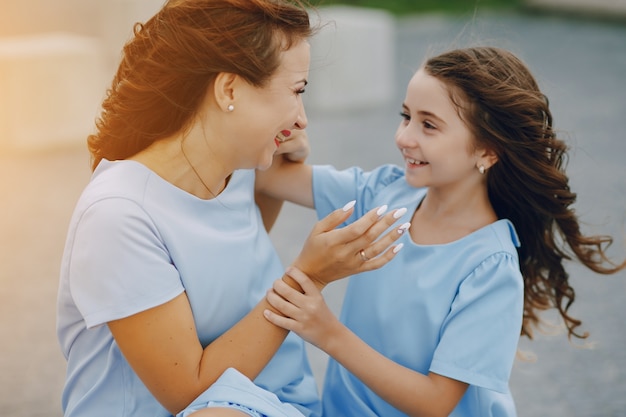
[135,241]
[453,309]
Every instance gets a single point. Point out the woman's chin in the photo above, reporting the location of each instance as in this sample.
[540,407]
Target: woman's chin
[265,164]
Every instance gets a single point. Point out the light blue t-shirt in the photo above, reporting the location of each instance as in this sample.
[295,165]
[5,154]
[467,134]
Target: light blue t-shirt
[454,309]
[135,241]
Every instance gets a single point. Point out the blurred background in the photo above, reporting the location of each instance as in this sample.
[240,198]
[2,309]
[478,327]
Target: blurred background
[58,56]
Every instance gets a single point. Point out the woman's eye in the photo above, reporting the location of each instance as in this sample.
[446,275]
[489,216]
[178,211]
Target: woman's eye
[405,116]
[301,91]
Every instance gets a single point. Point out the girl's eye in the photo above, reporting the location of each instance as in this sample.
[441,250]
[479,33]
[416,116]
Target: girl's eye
[405,116]
[429,125]
[301,91]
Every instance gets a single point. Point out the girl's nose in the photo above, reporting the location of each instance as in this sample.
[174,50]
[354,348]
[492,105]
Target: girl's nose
[405,138]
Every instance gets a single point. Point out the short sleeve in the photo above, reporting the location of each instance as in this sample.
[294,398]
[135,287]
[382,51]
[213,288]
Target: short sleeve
[480,335]
[119,265]
[332,188]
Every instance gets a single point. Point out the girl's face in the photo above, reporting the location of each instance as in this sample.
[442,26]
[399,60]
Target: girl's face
[262,113]
[436,144]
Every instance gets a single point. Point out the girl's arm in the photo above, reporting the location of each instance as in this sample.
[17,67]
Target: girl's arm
[269,207]
[162,346]
[295,149]
[411,392]
[289,178]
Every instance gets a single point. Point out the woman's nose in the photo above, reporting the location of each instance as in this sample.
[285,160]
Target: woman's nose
[301,120]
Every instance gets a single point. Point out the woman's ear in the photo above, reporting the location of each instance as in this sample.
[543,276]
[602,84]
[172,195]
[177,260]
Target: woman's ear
[224,90]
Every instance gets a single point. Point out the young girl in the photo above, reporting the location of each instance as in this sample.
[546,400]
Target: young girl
[435,331]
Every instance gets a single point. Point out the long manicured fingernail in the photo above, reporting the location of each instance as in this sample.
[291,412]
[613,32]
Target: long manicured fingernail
[404,227]
[399,213]
[398,247]
[382,210]
[349,205]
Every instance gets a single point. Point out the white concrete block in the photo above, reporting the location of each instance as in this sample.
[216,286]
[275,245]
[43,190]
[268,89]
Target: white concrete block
[352,59]
[117,20]
[51,88]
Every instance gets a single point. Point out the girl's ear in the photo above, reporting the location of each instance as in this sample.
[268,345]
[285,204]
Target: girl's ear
[487,157]
[224,90]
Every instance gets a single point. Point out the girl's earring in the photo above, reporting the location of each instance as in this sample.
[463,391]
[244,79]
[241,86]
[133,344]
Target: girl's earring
[481,169]
[231,107]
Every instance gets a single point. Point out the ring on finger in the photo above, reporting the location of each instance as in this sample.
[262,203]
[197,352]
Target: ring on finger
[363,256]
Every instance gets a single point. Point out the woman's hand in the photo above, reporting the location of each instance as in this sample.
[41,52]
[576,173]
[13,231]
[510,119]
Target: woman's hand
[330,254]
[304,313]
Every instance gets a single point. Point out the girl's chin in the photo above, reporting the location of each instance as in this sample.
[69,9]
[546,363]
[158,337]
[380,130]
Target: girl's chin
[414,181]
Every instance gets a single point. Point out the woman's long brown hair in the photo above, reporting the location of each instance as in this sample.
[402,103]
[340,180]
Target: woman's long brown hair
[172,59]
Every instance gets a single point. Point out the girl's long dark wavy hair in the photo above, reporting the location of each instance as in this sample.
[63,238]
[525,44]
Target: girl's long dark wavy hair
[168,65]
[501,103]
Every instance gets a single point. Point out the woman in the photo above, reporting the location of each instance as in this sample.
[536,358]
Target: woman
[435,332]
[167,261]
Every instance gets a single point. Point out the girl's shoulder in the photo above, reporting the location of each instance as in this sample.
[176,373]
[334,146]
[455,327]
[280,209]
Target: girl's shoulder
[499,237]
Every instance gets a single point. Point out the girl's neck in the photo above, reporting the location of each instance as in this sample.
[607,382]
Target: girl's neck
[445,217]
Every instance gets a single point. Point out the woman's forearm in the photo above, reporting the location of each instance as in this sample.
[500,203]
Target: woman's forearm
[162,346]
[247,346]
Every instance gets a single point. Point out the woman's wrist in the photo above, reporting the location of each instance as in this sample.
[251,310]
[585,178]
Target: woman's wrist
[294,284]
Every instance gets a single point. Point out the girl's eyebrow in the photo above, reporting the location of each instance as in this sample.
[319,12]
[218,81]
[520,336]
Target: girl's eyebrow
[424,113]
[431,115]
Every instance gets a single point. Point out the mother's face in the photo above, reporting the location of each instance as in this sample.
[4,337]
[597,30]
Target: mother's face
[262,113]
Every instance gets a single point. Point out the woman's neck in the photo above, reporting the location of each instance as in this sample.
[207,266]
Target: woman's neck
[186,164]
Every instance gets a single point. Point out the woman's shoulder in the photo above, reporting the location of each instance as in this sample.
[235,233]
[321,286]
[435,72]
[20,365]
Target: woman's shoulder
[116,189]
[117,178]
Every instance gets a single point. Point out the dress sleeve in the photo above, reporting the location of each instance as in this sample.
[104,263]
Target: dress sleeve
[332,188]
[478,339]
[119,266]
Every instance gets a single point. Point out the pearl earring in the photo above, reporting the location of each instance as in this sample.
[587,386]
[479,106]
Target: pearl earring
[231,107]
[481,169]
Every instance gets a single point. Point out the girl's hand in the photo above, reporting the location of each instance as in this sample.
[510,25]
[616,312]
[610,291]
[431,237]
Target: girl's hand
[304,313]
[294,145]
[330,254]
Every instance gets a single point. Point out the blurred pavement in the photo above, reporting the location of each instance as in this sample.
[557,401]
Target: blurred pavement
[580,65]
